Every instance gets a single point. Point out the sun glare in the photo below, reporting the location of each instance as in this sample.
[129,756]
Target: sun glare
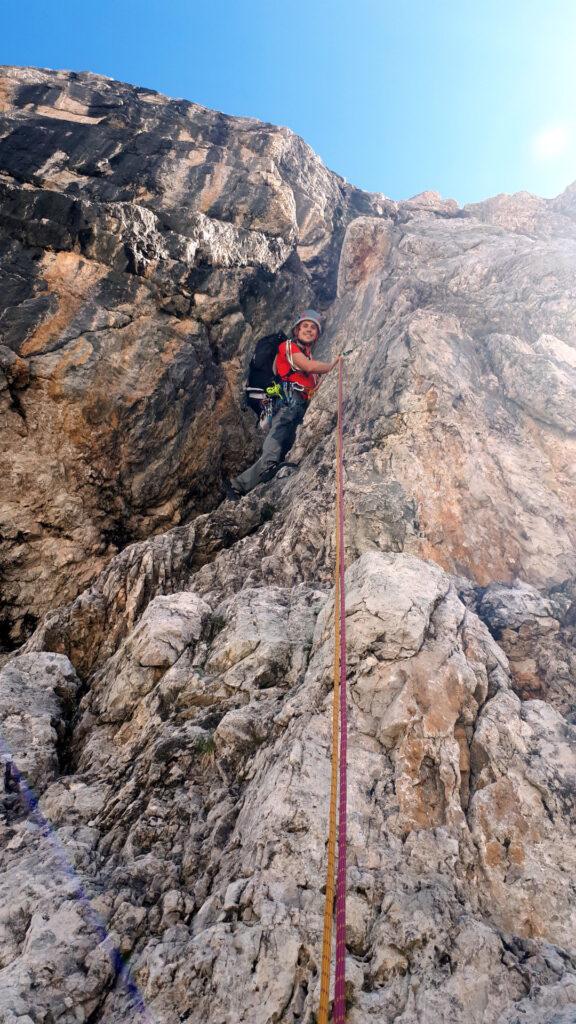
[552,141]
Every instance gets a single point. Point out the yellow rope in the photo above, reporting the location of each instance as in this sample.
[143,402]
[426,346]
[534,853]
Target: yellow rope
[331,865]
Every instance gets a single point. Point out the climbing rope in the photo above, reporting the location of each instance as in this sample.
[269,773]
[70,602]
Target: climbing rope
[331,866]
[338,786]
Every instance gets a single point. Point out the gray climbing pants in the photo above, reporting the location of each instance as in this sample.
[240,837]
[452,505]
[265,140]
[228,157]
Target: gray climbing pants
[277,442]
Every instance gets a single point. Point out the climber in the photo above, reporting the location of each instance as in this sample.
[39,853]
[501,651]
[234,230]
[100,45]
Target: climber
[299,373]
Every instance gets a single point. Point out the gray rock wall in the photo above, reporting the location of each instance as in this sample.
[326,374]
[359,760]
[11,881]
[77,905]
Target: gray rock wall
[172,707]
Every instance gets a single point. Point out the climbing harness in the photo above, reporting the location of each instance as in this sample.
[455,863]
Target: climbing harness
[338,785]
[265,401]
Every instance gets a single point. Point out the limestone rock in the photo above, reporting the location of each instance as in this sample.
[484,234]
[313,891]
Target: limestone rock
[218,845]
[536,630]
[37,699]
[520,815]
[185,780]
[145,243]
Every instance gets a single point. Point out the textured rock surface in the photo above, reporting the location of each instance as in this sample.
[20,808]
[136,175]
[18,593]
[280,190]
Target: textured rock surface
[184,782]
[537,631]
[37,699]
[144,244]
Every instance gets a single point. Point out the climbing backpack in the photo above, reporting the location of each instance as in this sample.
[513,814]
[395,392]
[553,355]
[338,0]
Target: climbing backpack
[261,377]
[260,372]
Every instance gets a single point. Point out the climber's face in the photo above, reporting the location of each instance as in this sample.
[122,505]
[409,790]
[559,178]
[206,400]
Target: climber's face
[307,331]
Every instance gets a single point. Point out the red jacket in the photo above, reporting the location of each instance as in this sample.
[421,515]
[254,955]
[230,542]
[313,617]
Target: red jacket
[284,366]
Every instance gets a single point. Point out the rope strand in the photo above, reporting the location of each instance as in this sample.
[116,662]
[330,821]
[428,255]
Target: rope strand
[331,866]
[340,982]
[338,776]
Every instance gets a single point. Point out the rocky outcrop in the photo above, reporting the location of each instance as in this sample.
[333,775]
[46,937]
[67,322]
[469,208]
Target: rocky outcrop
[205,853]
[536,630]
[37,700]
[175,712]
[145,243]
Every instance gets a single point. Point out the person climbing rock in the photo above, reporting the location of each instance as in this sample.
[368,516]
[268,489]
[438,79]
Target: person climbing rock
[296,378]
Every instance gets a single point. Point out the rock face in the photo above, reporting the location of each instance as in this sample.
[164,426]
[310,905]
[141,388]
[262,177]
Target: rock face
[144,244]
[172,708]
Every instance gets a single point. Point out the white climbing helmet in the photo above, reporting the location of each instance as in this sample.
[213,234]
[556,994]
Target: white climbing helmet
[309,314]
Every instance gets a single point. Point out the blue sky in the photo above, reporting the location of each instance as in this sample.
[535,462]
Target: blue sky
[469,99]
